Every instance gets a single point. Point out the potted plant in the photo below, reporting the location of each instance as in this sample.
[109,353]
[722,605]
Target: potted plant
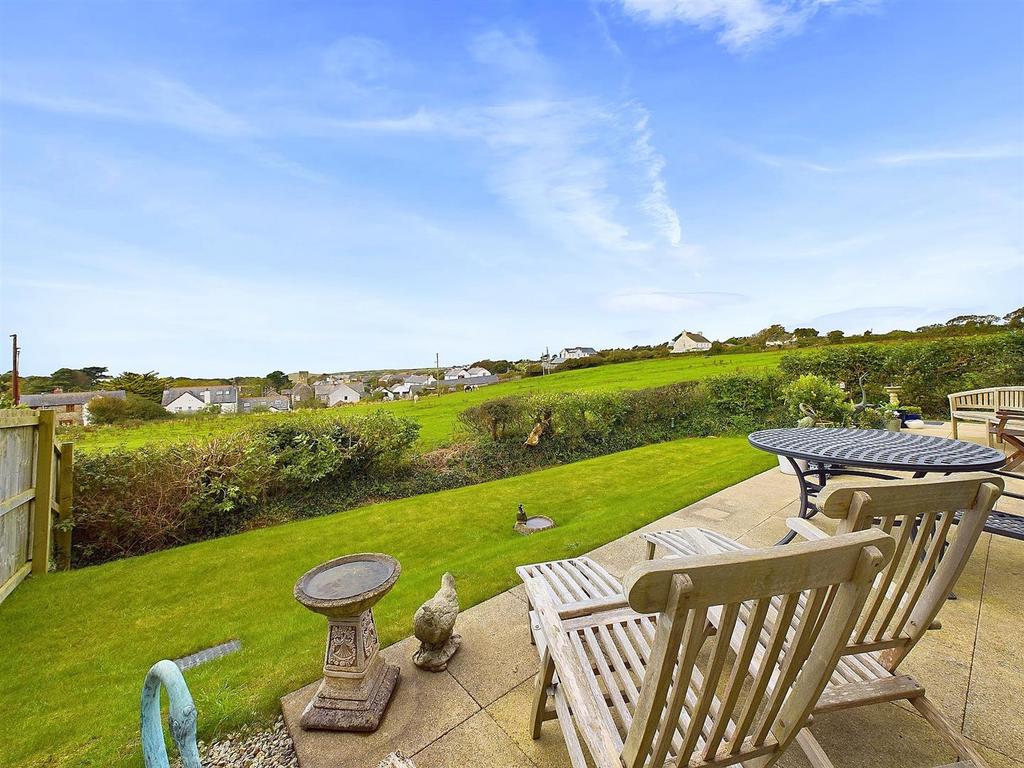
[891,416]
[815,402]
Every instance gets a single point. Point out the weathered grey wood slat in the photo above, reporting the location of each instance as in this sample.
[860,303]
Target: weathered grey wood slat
[35,483]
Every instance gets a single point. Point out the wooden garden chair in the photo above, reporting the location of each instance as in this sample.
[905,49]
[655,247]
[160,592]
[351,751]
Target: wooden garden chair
[906,598]
[646,680]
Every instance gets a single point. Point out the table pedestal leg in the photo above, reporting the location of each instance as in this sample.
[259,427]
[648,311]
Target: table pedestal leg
[807,509]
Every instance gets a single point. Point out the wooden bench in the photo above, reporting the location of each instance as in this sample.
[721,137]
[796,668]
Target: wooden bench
[981,405]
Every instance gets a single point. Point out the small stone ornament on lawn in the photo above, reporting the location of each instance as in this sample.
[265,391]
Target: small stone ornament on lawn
[433,625]
[525,525]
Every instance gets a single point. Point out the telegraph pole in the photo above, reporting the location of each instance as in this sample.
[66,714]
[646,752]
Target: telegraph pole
[15,389]
[437,371]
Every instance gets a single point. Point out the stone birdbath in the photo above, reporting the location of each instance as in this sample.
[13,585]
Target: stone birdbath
[357,683]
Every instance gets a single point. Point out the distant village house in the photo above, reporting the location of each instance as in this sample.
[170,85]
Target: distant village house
[574,353]
[195,399]
[272,403]
[454,374]
[785,342]
[70,407]
[689,341]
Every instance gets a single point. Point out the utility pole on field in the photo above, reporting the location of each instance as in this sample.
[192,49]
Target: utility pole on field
[15,387]
[437,371]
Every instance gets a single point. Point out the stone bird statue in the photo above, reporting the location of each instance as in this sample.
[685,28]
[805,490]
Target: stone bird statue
[433,625]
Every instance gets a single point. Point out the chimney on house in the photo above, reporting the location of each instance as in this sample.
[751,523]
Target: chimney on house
[206,395]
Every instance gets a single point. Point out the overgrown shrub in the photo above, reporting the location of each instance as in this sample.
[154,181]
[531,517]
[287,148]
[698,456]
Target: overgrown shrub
[926,371]
[826,399]
[586,424]
[113,410]
[136,501]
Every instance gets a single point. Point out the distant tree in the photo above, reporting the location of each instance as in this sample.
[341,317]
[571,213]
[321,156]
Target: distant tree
[774,332]
[148,385]
[804,333]
[834,337]
[108,410]
[96,373]
[70,379]
[145,409]
[867,333]
[929,328]
[1015,318]
[277,380]
[961,320]
[494,366]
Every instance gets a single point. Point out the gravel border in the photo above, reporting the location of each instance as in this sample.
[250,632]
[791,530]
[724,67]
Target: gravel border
[272,748]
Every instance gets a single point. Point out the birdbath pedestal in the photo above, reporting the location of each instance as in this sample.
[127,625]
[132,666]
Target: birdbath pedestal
[357,683]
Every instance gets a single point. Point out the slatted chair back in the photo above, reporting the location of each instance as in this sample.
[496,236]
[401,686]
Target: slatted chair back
[708,705]
[930,552]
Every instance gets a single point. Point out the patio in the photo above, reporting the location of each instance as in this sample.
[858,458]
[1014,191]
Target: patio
[476,713]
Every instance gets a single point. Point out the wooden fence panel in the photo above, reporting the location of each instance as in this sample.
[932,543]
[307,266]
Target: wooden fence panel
[35,486]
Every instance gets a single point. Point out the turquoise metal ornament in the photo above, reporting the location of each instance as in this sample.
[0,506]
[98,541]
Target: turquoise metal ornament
[181,717]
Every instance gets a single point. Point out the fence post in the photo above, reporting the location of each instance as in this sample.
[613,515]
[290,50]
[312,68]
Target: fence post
[65,489]
[41,524]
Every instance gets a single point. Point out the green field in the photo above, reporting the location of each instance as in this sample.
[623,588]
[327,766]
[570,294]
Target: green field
[438,415]
[77,645]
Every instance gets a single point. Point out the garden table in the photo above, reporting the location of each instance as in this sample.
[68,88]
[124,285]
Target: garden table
[830,452]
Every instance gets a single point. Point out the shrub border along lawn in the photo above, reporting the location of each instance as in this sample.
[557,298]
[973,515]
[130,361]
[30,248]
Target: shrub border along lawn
[77,645]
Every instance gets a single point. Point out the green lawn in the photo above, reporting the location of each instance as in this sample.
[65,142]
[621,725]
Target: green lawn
[77,645]
[438,416]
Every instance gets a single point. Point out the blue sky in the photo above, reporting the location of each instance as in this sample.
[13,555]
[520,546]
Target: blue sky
[233,187]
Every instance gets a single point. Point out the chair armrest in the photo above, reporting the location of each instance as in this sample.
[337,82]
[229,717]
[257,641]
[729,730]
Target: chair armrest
[805,528]
[587,704]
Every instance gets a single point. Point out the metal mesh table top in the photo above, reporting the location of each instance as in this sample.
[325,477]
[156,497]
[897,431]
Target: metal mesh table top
[877,448]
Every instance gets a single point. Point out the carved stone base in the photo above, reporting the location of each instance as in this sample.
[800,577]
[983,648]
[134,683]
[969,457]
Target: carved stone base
[436,659]
[331,711]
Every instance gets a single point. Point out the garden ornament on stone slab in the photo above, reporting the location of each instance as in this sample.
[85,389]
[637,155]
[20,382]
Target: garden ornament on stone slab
[181,717]
[433,625]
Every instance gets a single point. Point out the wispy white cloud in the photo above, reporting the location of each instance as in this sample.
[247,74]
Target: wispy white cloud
[781,161]
[656,201]
[739,23]
[569,164]
[140,98]
[952,154]
[652,300]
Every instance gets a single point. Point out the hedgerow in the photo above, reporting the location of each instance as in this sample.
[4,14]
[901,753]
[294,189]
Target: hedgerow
[926,372]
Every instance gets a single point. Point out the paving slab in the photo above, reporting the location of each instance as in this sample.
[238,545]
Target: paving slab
[512,713]
[995,698]
[496,653]
[476,742]
[879,736]
[942,659]
[425,706]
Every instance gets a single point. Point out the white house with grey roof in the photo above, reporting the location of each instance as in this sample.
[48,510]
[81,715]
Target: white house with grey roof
[575,353]
[195,399]
[689,341]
